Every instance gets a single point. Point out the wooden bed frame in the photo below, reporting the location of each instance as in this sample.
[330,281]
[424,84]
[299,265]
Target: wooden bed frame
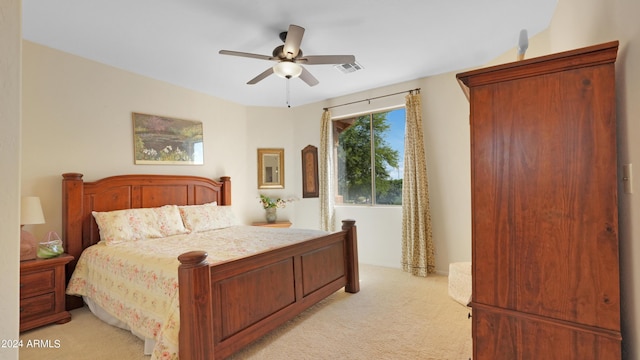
[226,306]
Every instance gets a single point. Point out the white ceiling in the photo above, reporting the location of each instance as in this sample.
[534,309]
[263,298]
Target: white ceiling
[177,41]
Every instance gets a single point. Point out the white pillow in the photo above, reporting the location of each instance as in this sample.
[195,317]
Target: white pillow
[207,217]
[137,224]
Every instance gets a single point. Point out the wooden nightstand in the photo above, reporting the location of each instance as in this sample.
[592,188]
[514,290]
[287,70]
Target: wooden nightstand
[279,224]
[42,292]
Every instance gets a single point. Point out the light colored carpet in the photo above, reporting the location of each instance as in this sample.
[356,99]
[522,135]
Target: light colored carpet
[394,316]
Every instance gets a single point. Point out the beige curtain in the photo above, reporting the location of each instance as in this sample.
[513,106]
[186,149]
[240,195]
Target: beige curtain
[326,174]
[417,244]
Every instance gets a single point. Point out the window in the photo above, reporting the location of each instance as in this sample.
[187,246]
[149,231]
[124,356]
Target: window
[370,157]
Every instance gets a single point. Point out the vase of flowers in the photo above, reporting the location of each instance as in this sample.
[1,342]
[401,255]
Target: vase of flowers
[271,214]
[271,206]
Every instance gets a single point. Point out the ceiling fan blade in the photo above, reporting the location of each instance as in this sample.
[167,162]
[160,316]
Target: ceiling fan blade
[308,78]
[327,59]
[293,41]
[260,77]
[244,54]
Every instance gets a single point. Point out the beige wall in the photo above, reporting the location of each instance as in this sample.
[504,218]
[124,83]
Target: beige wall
[10,48]
[272,128]
[77,118]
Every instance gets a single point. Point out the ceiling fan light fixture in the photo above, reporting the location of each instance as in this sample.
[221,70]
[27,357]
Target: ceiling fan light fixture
[287,69]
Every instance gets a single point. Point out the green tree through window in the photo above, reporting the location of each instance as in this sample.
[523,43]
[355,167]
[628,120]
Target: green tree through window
[378,139]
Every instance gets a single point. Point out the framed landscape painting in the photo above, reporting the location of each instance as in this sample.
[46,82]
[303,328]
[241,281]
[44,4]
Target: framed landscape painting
[165,140]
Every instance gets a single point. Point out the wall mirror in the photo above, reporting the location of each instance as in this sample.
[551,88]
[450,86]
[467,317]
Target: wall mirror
[270,168]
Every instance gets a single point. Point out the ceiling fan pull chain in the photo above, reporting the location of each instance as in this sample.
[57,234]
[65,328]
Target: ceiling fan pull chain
[288,93]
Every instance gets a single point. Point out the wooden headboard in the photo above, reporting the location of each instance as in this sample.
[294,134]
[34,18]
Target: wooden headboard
[79,199]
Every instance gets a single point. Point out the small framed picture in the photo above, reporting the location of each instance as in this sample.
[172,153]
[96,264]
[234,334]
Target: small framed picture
[310,187]
[270,168]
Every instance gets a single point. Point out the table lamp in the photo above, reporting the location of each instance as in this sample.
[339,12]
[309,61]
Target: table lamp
[30,214]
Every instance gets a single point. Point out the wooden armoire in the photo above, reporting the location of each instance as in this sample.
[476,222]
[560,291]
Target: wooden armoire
[544,207]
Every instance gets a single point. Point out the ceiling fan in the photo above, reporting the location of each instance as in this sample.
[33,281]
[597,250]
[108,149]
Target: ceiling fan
[289,58]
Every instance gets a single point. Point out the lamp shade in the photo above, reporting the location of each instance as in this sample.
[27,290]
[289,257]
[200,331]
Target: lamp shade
[31,211]
[287,69]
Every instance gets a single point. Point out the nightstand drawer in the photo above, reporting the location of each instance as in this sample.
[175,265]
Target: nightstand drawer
[39,282]
[38,306]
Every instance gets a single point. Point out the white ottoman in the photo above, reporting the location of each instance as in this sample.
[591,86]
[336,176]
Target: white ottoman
[460,282]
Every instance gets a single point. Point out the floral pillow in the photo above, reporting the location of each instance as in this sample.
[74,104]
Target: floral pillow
[207,217]
[137,224]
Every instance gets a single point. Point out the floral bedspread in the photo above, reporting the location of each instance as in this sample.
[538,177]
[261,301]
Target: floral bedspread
[137,281]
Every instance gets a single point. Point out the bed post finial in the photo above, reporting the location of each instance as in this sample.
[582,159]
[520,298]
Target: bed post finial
[348,223]
[353,272]
[72,176]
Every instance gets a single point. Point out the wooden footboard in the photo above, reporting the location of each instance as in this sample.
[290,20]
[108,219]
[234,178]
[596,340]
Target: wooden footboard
[226,306]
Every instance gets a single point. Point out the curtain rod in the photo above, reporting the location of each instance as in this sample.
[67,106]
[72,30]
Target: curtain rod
[373,98]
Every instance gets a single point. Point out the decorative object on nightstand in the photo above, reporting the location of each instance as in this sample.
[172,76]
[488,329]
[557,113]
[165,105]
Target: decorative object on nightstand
[271,214]
[271,206]
[42,292]
[30,214]
[51,247]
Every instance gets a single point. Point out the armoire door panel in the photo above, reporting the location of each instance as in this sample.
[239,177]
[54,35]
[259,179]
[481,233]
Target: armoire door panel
[543,197]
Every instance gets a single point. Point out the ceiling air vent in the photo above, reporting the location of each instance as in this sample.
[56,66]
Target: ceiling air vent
[349,68]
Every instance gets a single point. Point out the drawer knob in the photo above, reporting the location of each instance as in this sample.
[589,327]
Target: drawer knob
[21,285]
[21,309]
